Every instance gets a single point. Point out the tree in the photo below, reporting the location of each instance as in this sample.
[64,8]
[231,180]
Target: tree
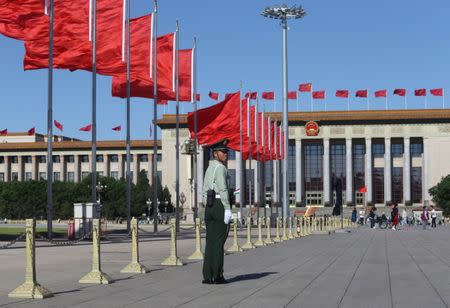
[140,194]
[441,194]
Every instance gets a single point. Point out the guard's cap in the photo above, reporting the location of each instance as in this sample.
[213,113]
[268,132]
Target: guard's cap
[220,146]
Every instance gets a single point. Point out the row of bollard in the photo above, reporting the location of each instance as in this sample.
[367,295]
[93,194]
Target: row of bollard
[297,227]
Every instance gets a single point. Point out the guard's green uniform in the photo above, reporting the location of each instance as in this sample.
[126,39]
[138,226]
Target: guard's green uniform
[216,229]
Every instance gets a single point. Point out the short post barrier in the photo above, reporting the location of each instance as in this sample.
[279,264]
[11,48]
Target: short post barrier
[321,224]
[291,232]
[249,244]
[301,220]
[268,240]
[296,228]
[198,254]
[135,266]
[306,225]
[284,235]
[235,247]
[260,242]
[30,288]
[96,276]
[277,238]
[173,259]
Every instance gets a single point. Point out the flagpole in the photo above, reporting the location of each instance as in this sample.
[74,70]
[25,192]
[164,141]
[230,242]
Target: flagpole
[325,100]
[177,134]
[386,102]
[94,104]
[50,125]
[241,176]
[128,154]
[250,154]
[194,95]
[348,102]
[443,98]
[426,101]
[406,105]
[256,173]
[263,161]
[296,96]
[312,105]
[154,73]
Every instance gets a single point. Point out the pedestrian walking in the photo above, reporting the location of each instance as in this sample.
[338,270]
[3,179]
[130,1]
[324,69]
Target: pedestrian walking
[404,218]
[217,214]
[361,217]
[433,217]
[394,216]
[354,213]
[424,217]
[372,218]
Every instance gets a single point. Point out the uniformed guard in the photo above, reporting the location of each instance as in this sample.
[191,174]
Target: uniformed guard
[217,213]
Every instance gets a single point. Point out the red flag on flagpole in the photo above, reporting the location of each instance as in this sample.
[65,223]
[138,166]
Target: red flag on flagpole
[252,95]
[213,95]
[268,95]
[31,131]
[4,132]
[381,93]
[292,95]
[305,87]
[58,125]
[363,189]
[437,92]
[162,102]
[318,94]
[197,96]
[151,132]
[420,92]
[342,93]
[361,93]
[86,128]
[117,128]
[400,92]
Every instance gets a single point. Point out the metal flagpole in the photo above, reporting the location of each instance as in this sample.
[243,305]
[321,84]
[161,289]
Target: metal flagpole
[386,102]
[443,99]
[241,176]
[312,99]
[128,154]
[348,102]
[154,72]
[263,161]
[256,173]
[406,104]
[50,125]
[250,154]
[426,101]
[285,120]
[325,99]
[269,131]
[296,96]
[177,134]
[94,103]
[194,96]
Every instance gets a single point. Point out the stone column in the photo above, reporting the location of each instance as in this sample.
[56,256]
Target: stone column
[326,170]
[200,174]
[135,167]
[387,170]
[349,171]
[90,163]
[8,169]
[238,169]
[425,171]
[106,165]
[34,168]
[77,167]
[406,170]
[20,169]
[63,168]
[298,172]
[368,171]
[120,165]
[150,169]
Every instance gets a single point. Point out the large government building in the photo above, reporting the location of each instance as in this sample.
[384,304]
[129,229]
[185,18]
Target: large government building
[378,156]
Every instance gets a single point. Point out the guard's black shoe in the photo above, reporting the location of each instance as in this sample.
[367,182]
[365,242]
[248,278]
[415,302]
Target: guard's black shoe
[220,280]
[207,281]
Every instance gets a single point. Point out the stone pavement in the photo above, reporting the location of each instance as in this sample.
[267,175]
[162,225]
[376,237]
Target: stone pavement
[365,268]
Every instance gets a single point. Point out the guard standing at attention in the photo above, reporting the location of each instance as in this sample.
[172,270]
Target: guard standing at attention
[217,213]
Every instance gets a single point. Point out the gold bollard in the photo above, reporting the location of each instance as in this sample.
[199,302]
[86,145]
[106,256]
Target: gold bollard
[134,266]
[306,219]
[260,242]
[198,254]
[96,275]
[249,244]
[235,247]
[277,238]
[173,259]
[296,228]
[30,288]
[321,224]
[268,240]
[284,237]
[302,233]
[291,232]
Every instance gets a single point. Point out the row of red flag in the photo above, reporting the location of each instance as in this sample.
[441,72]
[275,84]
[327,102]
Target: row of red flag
[27,20]
[263,138]
[307,87]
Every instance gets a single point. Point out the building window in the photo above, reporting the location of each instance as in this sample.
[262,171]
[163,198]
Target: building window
[56,177]
[338,165]
[56,158]
[70,158]
[397,185]
[2,177]
[114,158]
[416,148]
[14,176]
[378,150]
[27,159]
[359,149]
[99,173]
[71,177]
[232,179]
[313,166]
[28,176]
[13,159]
[115,175]
[84,158]
[2,159]
[292,167]
[43,175]
[268,167]
[85,174]
[416,184]
[42,159]
[143,158]
[397,149]
[158,157]
[378,185]
[99,158]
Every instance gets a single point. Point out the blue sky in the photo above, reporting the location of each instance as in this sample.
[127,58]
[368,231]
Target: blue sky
[349,44]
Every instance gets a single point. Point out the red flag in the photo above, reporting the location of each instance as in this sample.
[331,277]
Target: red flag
[58,125]
[252,95]
[361,93]
[437,92]
[318,94]
[162,101]
[420,92]
[213,95]
[268,95]
[4,132]
[305,87]
[31,131]
[228,95]
[292,95]
[381,93]
[400,92]
[197,97]
[342,93]
[16,14]
[363,189]
[117,128]
[86,128]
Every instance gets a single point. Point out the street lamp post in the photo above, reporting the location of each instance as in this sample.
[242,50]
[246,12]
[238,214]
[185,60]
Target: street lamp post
[284,13]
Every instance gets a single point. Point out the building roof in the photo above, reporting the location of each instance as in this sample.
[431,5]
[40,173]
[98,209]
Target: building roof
[77,145]
[344,117]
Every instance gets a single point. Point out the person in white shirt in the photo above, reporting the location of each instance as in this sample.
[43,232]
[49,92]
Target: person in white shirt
[361,217]
[433,217]
[404,218]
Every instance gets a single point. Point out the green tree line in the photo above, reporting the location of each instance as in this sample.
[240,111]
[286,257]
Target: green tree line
[20,200]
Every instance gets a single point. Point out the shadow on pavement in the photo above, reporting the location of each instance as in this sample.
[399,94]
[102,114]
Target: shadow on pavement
[250,276]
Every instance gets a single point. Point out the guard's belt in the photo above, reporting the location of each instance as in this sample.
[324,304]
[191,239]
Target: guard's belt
[218,196]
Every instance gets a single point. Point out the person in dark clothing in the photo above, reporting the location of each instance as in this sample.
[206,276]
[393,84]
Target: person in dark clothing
[372,218]
[394,216]
[354,214]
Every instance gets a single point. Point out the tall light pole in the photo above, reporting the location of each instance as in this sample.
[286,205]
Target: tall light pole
[284,13]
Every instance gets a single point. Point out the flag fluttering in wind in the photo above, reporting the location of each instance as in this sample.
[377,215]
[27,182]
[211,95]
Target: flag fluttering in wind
[58,125]
[318,94]
[268,95]
[305,87]
[197,97]
[292,95]
[117,128]
[437,92]
[420,92]
[86,128]
[361,93]
[342,93]
[252,95]
[363,189]
[4,132]
[400,92]
[213,95]
[381,93]
[31,131]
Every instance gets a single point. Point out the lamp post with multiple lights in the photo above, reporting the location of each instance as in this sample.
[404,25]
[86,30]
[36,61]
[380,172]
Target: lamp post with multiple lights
[284,13]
